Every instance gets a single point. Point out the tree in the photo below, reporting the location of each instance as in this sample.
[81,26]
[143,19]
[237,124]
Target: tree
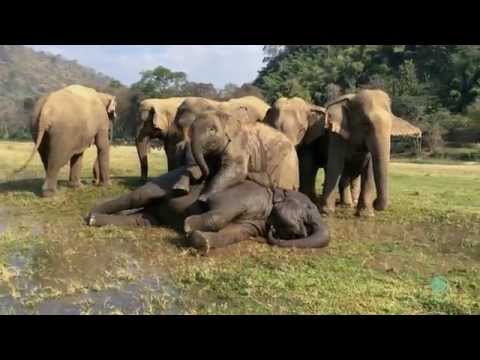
[161,82]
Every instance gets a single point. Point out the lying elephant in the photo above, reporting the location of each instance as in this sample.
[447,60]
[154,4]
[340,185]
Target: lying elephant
[247,210]
[64,124]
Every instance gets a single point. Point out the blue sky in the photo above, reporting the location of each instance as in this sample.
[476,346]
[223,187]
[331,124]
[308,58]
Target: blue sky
[217,64]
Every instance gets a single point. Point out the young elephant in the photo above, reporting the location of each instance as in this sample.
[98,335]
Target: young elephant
[229,151]
[64,124]
[287,218]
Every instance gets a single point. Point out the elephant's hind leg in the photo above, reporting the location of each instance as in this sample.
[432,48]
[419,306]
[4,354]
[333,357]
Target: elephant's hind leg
[76,170]
[57,158]
[140,219]
[231,234]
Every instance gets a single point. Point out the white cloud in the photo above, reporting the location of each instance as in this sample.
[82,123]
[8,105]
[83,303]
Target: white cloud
[218,64]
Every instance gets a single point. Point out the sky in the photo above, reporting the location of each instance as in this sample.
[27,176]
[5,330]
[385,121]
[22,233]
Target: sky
[216,64]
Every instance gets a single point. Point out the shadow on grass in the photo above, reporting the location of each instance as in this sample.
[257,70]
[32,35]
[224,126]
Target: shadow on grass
[130,182]
[28,185]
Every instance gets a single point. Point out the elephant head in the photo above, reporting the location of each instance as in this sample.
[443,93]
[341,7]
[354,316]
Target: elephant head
[301,122]
[211,133]
[294,218]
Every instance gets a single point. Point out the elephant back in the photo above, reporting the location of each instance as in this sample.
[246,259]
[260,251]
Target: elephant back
[273,154]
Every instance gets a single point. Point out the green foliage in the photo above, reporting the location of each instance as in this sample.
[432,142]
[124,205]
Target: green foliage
[437,87]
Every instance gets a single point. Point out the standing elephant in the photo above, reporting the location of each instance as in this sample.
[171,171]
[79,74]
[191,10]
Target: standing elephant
[246,210]
[228,151]
[64,124]
[304,125]
[360,124]
[169,120]
[155,117]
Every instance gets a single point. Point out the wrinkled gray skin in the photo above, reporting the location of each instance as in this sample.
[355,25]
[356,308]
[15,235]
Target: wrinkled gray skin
[304,125]
[247,210]
[64,124]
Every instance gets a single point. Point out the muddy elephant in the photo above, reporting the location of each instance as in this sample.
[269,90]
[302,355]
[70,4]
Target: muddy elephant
[169,119]
[360,124]
[64,124]
[304,125]
[246,210]
[228,151]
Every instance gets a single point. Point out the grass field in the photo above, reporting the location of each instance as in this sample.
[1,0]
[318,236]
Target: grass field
[421,256]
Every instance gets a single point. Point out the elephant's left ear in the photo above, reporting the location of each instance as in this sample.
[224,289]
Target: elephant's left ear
[112,105]
[316,124]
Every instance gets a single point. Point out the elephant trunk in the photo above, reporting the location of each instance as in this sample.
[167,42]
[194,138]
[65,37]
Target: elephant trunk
[379,147]
[319,237]
[143,144]
[198,155]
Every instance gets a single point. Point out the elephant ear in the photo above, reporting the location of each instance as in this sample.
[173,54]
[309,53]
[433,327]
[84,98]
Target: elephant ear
[159,120]
[232,121]
[316,124]
[112,107]
[336,120]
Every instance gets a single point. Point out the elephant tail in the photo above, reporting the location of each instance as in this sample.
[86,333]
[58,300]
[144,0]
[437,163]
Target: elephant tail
[40,135]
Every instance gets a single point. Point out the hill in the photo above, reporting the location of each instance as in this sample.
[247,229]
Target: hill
[25,73]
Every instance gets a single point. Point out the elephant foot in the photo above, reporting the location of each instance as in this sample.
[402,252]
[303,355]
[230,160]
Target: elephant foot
[199,240]
[379,205]
[192,223]
[182,186]
[365,212]
[105,183]
[326,211]
[90,219]
[76,184]
[48,193]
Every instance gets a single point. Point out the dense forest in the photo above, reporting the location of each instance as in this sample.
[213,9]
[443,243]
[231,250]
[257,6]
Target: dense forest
[436,87]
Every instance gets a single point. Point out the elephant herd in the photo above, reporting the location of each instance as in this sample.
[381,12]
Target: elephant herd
[237,169]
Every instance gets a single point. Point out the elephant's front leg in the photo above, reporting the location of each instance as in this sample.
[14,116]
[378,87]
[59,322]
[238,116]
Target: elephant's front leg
[232,172]
[355,186]
[213,220]
[335,165]
[366,198]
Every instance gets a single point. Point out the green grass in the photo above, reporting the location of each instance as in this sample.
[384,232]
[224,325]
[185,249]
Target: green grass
[50,262]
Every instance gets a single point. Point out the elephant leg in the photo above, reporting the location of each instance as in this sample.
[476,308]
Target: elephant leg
[96,172]
[103,156]
[57,158]
[154,190]
[213,220]
[143,146]
[335,164]
[43,151]
[345,193]
[231,234]
[139,219]
[308,173]
[75,170]
[355,185]
[365,200]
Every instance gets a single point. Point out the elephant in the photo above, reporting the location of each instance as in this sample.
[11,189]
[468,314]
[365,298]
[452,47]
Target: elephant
[228,151]
[246,210]
[155,117]
[64,124]
[360,124]
[169,119]
[303,124]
